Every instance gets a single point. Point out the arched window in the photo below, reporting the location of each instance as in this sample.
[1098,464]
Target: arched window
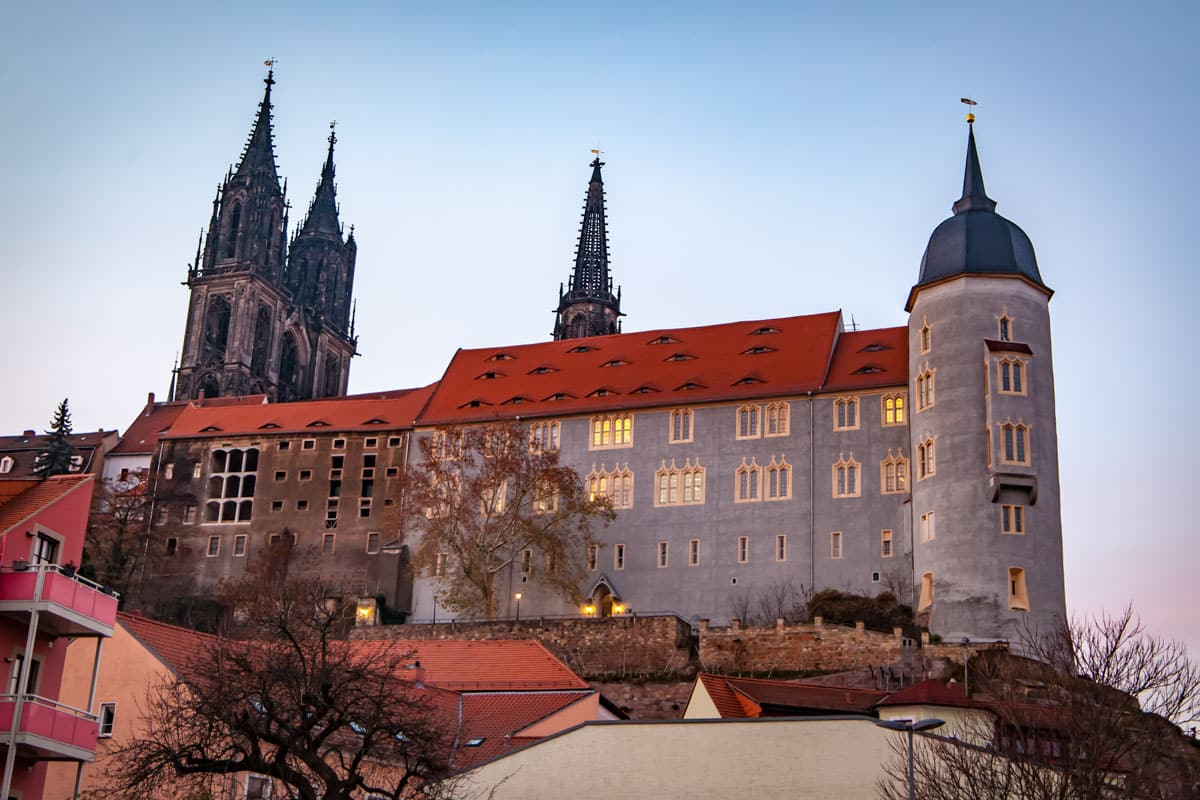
[216,331]
[748,482]
[847,477]
[1016,443]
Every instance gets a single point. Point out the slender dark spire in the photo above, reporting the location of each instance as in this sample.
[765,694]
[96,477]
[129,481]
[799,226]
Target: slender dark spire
[974,198]
[259,155]
[591,274]
[323,212]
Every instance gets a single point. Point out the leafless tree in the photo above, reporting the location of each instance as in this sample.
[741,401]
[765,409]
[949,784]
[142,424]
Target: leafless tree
[115,543]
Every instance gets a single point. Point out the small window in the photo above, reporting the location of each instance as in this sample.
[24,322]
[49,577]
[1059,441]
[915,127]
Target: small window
[370,443]
[781,547]
[693,552]
[327,541]
[337,462]
[476,742]
[277,505]
[681,426]
[169,471]
[392,472]
[214,546]
[309,444]
[926,338]
[393,441]
[875,577]
[280,475]
[663,554]
[619,557]
[284,444]
[845,414]
[926,601]
[339,444]
[928,531]
[593,555]
[743,549]
[239,545]
[1018,596]
[302,505]
[161,515]
[1012,519]
[258,788]
[525,562]
[885,544]
[172,545]
[108,714]
[439,564]
[1005,328]
[306,474]
[925,395]
[196,467]
[372,543]
[364,507]
[835,544]
[6,465]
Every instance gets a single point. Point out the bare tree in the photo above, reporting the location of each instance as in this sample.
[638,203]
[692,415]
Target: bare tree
[116,539]
[292,702]
[1092,713]
[486,500]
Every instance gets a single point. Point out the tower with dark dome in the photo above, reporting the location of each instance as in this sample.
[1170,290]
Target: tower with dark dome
[987,528]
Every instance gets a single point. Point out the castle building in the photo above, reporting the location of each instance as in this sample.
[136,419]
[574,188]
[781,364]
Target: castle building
[267,316]
[747,460]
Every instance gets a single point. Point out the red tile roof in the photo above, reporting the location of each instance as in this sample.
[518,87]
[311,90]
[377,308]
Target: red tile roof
[395,411]
[756,697]
[177,648]
[24,449]
[732,361]
[36,496]
[142,434]
[484,665]
[931,693]
[497,718]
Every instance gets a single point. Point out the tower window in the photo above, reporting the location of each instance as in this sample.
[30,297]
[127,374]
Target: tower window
[925,396]
[893,409]
[1016,443]
[926,459]
[1005,328]
[1018,596]
[926,337]
[1012,376]
[1012,519]
[928,531]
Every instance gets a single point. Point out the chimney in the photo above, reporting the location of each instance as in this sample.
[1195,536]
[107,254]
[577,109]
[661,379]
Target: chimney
[30,433]
[150,398]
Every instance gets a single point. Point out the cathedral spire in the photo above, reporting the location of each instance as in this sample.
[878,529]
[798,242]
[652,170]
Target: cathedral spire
[322,211]
[259,155]
[589,307]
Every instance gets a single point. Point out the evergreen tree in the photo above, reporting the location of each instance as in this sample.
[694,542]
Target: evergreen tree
[56,458]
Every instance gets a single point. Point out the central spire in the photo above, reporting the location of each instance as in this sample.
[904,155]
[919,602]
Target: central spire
[259,155]
[589,307]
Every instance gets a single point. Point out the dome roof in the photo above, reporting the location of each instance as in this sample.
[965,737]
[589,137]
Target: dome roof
[977,240]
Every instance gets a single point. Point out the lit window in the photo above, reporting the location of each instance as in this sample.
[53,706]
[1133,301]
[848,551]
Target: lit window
[439,564]
[925,396]
[679,486]
[693,552]
[543,436]
[885,544]
[835,544]
[778,419]
[613,430]
[196,467]
[1016,443]
[1012,519]
[926,601]
[846,474]
[926,337]
[1018,596]
[743,549]
[1012,376]
[681,425]
[169,471]
[893,474]
[748,481]
[108,714]
[545,500]
[619,556]
[926,458]
[781,547]
[779,479]
[747,422]
[928,531]
[615,484]
[845,414]
[239,545]
[663,551]
[893,409]
[593,556]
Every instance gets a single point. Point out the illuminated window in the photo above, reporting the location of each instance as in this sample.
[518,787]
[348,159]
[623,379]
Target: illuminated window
[778,419]
[928,531]
[748,480]
[1015,440]
[662,554]
[439,564]
[845,414]
[615,484]
[893,474]
[681,425]
[743,549]
[893,409]
[612,430]
[779,479]
[492,499]
[747,422]
[1018,596]
[1012,376]
[679,486]
[543,436]
[926,458]
[846,474]
[545,500]
[885,544]
[593,557]
[619,557]
[835,544]
[925,396]
[926,601]
[926,337]
[1012,519]
[781,547]
[693,552]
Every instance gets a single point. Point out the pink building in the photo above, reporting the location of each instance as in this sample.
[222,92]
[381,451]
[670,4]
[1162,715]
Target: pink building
[43,606]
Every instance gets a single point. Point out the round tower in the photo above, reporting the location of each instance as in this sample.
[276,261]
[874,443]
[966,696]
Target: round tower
[987,529]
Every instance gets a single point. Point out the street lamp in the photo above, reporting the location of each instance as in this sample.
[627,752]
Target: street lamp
[518,596]
[910,726]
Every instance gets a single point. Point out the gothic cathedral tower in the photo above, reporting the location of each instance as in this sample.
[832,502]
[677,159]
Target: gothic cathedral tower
[261,319]
[589,307]
[987,529]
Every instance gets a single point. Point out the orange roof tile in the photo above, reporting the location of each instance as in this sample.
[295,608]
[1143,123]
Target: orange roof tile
[497,718]
[177,648]
[869,359]
[931,692]
[484,665]
[755,697]
[40,495]
[712,363]
[142,434]
[395,411]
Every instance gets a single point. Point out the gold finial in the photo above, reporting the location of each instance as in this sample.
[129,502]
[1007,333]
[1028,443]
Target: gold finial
[968,102]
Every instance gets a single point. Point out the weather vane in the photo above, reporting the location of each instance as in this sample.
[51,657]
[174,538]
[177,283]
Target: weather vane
[270,63]
[596,151]
[969,103]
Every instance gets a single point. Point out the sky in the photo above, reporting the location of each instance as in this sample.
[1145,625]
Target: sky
[763,160]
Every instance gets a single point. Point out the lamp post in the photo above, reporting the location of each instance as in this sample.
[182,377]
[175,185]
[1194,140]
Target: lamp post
[518,597]
[910,726]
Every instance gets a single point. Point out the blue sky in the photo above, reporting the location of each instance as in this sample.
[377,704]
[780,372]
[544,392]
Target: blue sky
[763,160]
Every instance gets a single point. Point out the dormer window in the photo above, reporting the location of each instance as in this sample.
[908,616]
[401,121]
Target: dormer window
[516,401]
[475,404]
[561,396]
[6,465]
[763,331]
[489,376]
[602,392]
[644,389]
[874,347]
[749,380]
[664,340]
[757,351]
[869,369]
[679,357]
[542,370]
[581,348]
[318,423]
[689,387]
[502,357]
[616,362]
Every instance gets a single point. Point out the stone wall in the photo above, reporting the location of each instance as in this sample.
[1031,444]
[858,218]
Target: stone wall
[808,647]
[648,699]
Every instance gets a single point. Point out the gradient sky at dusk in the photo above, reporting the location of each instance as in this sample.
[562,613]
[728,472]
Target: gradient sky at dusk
[763,160]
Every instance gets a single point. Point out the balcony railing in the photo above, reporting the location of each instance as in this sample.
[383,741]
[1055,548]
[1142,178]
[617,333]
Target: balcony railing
[48,730]
[71,605]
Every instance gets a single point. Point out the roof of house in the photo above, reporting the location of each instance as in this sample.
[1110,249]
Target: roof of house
[143,433]
[492,721]
[711,363]
[468,666]
[931,692]
[177,648]
[34,496]
[24,449]
[389,411]
[758,697]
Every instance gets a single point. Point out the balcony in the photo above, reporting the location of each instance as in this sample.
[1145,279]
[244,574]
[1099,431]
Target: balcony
[69,605]
[48,731]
